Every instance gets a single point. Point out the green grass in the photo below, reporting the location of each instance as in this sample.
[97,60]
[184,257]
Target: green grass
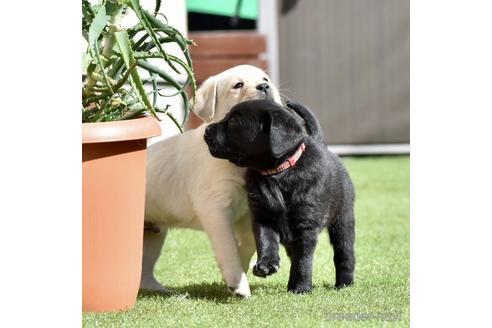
[382,271]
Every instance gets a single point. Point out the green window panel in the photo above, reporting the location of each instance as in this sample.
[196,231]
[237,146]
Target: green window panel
[248,10]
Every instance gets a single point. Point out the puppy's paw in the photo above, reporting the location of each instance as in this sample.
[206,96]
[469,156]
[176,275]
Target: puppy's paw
[240,292]
[300,289]
[344,279]
[266,267]
[242,289]
[152,286]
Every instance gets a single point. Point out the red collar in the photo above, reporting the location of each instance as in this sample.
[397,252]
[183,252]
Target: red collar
[290,162]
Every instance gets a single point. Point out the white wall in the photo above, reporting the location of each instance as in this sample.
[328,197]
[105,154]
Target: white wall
[267,24]
[175,11]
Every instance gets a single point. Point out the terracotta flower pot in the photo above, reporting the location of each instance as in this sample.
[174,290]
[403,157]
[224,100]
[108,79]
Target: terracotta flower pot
[113,197]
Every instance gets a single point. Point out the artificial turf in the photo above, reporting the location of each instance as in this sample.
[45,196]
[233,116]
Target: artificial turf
[379,297]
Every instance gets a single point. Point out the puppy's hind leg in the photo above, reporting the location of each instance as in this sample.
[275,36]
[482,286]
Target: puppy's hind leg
[342,235]
[246,240]
[217,224]
[152,246]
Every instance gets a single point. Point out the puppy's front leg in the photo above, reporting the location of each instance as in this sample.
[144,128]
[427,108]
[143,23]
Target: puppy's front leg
[217,224]
[267,243]
[301,252]
[246,240]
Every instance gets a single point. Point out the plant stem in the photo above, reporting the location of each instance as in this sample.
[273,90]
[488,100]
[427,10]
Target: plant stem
[109,38]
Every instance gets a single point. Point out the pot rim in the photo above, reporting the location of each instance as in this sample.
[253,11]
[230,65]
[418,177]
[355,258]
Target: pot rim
[134,129]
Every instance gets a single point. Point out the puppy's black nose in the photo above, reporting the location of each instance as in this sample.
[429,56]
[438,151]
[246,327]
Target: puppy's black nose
[263,87]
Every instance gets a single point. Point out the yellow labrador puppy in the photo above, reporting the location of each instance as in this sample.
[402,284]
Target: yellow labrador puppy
[188,188]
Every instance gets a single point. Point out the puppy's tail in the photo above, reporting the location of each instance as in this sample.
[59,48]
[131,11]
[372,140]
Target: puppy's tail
[312,124]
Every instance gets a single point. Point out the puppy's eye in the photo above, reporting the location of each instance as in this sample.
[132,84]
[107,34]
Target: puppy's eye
[238,85]
[265,79]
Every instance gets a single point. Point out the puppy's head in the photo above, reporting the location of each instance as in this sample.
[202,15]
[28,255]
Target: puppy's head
[258,134]
[219,93]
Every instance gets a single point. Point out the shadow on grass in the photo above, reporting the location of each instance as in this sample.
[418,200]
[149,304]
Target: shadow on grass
[217,292]
[214,292]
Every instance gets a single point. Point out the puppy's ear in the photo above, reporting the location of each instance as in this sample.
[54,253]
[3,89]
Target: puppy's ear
[285,133]
[206,99]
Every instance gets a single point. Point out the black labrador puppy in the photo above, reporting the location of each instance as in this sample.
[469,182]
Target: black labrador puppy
[296,187]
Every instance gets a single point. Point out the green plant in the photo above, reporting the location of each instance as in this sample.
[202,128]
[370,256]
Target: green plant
[117,60]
